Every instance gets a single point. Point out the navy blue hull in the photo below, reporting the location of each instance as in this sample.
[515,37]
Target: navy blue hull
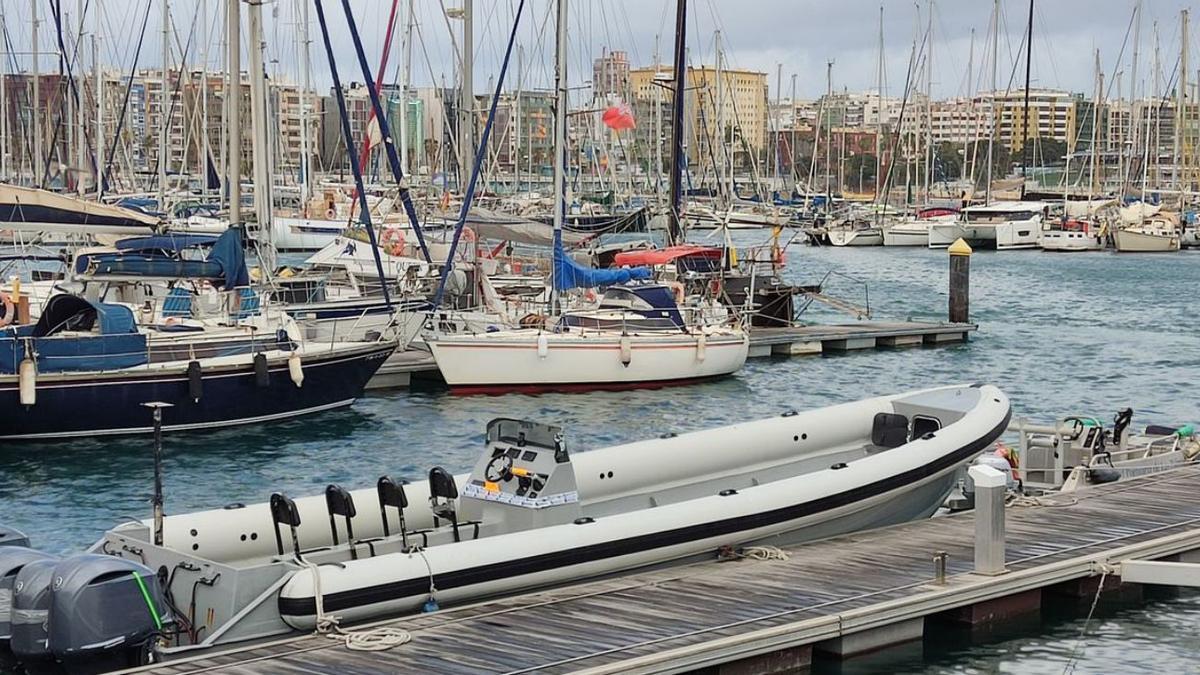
[90,405]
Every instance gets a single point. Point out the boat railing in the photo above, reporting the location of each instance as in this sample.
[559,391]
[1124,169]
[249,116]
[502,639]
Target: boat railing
[1132,447]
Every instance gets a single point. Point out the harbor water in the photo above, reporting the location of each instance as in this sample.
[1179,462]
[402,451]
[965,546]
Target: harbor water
[1060,333]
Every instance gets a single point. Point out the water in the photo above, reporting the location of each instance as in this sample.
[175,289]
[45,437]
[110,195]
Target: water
[1070,333]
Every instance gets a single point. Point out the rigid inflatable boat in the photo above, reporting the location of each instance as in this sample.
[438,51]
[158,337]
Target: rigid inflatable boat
[531,514]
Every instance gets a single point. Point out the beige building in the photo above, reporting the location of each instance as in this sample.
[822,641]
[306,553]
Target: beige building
[737,103]
[1051,115]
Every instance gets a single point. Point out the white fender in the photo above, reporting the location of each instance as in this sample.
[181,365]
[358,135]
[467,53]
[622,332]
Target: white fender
[296,369]
[28,381]
[626,351]
[701,347]
[543,346]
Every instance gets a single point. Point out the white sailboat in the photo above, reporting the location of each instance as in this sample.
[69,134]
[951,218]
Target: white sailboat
[623,352]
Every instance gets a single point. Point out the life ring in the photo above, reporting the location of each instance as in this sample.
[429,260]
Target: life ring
[468,235]
[10,310]
[589,295]
[393,241]
[330,214]
[714,287]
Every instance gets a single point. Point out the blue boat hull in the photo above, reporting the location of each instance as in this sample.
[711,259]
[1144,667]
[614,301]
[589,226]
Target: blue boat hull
[104,404]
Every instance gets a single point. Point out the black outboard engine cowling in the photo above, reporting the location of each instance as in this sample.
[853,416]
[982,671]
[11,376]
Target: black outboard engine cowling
[12,559]
[31,614]
[11,537]
[104,613]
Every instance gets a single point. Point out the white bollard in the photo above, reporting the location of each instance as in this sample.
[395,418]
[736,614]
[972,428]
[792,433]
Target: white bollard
[990,488]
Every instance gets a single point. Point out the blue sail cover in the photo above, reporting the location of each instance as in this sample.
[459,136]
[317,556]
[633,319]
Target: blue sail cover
[117,343]
[225,265]
[569,274]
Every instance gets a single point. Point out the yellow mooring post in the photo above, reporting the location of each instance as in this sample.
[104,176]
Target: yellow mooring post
[960,282]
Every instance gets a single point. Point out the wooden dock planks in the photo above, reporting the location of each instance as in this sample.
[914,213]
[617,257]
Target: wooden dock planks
[685,614]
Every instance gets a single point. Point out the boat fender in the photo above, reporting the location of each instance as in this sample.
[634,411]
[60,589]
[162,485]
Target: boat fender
[543,346]
[262,376]
[195,381]
[626,350]
[27,378]
[1099,475]
[296,369]
[10,310]
[701,347]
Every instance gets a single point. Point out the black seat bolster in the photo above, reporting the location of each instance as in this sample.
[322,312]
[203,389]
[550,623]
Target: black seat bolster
[889,430]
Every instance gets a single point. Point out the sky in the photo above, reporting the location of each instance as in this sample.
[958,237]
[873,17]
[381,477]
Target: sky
[803,35]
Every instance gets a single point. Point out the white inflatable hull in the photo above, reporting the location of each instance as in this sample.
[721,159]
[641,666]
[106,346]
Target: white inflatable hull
[516,360]
[891,486]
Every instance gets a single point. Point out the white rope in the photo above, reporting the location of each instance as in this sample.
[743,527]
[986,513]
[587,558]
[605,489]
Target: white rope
[370,640]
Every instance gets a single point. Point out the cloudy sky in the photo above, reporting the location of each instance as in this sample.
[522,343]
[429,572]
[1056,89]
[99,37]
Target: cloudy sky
[758,34]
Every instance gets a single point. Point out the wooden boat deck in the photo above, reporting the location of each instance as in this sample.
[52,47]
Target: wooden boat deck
[710,613]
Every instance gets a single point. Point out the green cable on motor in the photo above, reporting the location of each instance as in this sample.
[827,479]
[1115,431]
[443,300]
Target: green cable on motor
[149,603]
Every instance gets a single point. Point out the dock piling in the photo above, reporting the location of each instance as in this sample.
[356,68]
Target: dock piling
[960,282]
[990,487]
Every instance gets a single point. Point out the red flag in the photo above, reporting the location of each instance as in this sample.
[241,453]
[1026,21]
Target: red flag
[618,118]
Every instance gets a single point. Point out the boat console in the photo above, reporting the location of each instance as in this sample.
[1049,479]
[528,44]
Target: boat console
[523,479]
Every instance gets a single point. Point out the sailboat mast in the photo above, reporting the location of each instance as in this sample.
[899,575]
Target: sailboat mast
[995,113]
[1096,100]
[164,94]
[929,106]
[262,152]
[4,149]
[233,114]
[778,112]
[405,78]
[678,159]
[1025,113]
[466,117]
[306,85]
[38,161]
[879,117]
[99,94]
[971,137]
[1134,103]
[1181,100]
[560,128]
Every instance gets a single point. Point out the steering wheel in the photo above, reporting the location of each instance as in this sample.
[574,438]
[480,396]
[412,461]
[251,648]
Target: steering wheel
[1076,428]
[499,469]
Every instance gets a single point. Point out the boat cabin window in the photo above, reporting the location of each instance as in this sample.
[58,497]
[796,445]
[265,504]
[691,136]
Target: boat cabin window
[924,425]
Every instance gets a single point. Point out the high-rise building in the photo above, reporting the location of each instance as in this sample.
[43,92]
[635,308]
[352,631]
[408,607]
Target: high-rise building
[730,109]
[610,76]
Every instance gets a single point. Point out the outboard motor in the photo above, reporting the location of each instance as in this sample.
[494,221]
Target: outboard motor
[31,614]
[11,537]
[105,613]
[12,559]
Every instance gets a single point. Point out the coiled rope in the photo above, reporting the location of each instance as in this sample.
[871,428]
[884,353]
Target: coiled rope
[377,639]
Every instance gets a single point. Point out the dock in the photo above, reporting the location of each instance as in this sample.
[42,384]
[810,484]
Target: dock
[418,364]
[839,596]
[842,337]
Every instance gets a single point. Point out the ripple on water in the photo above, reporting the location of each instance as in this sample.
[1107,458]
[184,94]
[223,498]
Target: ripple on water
[1087,333]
